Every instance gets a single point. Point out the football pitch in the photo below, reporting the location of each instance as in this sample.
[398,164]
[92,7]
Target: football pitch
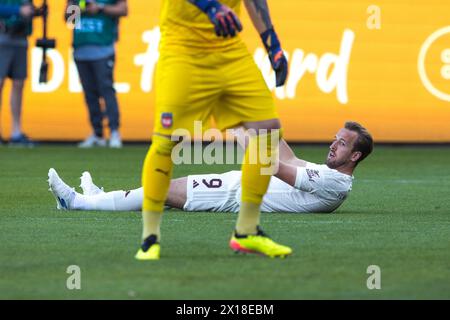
[397,218]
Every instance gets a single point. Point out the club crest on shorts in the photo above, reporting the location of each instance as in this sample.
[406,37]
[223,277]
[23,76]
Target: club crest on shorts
[166,119]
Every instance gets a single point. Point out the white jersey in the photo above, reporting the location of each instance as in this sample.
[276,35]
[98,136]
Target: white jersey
[317,189]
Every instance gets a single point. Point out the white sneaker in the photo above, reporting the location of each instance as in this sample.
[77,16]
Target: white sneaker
[63,194]
[115,141]
[88,186]
[92,141]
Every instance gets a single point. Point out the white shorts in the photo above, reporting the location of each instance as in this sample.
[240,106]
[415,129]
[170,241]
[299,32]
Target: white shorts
[213,192]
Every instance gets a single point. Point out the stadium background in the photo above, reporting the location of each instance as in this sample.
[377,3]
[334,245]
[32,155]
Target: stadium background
[397,217]
[385,91]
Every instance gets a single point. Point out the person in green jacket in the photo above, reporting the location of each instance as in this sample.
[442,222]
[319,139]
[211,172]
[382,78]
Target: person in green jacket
[15,27]
[94,38]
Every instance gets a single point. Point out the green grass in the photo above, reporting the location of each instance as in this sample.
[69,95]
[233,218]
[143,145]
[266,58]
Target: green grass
[397,217]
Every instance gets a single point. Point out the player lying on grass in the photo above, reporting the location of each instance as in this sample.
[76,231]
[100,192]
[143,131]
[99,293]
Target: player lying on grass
[299,186]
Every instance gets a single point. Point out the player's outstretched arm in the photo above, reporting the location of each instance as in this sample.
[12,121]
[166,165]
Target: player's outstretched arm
[258,11]
[225,21]
[287,173]
[288,156]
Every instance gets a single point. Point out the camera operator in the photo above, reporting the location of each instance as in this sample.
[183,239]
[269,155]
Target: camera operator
[15,27]
[94,54]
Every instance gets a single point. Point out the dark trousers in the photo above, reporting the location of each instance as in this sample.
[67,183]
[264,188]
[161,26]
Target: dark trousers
[97,81]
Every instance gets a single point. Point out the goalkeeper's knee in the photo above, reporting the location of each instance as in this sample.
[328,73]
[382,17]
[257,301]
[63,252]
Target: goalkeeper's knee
[258,167]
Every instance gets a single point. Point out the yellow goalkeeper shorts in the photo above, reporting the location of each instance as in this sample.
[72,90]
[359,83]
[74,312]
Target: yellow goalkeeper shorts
[226,85]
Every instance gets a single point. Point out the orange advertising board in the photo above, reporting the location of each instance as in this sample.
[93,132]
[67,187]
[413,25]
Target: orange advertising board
[384,64]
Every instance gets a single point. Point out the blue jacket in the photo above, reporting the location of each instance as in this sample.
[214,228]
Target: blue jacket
[7,11]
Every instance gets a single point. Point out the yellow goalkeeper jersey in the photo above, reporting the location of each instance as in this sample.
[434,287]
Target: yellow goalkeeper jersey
[185,27]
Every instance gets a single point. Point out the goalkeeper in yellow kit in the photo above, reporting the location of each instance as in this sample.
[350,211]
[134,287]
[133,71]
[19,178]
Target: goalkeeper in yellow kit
[205,70]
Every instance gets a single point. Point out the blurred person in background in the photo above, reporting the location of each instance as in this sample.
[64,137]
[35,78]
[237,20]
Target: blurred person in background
[15,27]
[94,38]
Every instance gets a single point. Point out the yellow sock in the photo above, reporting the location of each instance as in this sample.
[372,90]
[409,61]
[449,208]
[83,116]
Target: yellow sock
[151,224]
[248,218]
[156,176]
[257,170]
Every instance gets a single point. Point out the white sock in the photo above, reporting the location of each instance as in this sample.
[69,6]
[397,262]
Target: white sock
[110,201]
[129,200]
